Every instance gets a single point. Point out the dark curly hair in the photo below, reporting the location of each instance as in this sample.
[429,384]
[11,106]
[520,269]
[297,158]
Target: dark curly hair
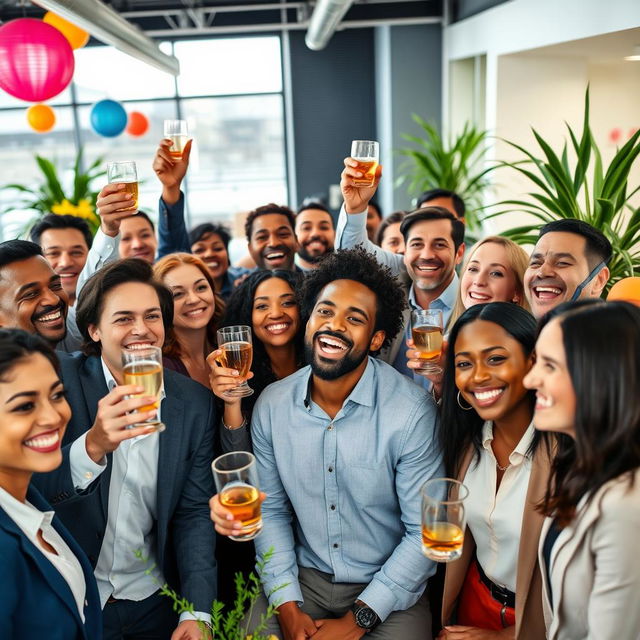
[266,210]
[359,265]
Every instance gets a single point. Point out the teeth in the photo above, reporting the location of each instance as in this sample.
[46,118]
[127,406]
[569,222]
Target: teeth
[554,290]
[478,296]
[66,275]
[277,327]
[541,401]
[195,312]
[213,265]
[138,347]
[487,395]
[56,315]
[330,342]
[275,256]
[428,268]
[43,442]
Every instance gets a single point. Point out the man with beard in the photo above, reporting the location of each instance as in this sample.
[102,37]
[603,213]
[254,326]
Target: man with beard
[342,464]
[315,234]
[271,238]
[569,262]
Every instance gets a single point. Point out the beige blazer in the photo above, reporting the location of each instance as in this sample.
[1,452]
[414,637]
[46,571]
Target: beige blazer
[595,568]
[529,617]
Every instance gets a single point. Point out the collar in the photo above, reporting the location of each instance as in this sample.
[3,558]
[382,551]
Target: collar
[24,514]
[520,452]
[108,377]
[444,301]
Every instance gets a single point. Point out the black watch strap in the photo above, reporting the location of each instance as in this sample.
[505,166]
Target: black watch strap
[366,617]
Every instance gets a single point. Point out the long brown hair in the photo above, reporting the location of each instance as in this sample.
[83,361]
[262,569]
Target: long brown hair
[161,268]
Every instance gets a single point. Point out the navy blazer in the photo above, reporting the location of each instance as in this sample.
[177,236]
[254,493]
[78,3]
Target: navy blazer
[35,600]
[185,538]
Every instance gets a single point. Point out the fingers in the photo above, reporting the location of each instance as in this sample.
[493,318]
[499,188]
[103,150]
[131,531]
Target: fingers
[223,519]
[186,152]
[115,199]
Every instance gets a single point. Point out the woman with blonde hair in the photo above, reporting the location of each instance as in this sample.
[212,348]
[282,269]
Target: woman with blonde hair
[197,312]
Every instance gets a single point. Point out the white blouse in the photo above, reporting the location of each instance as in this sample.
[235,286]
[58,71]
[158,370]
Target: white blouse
[495,519]
[30,520]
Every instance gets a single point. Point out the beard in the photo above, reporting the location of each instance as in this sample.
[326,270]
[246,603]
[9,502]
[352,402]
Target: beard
[327,369]
[313,258]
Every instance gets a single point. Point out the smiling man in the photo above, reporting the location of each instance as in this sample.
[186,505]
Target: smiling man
[569,262]
[342,463]
[271,238]
[315,233]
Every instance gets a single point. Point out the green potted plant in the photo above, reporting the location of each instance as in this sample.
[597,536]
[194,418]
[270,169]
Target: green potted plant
[588,191]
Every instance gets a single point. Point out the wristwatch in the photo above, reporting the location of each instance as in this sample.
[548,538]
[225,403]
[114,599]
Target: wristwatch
[366,617]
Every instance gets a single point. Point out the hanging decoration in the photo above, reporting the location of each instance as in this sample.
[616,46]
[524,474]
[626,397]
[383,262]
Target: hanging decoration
[108,118]
[41,117]
[36,60]
[138,124]
[76,36]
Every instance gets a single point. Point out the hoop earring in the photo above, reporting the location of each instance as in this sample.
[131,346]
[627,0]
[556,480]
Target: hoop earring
[460,403]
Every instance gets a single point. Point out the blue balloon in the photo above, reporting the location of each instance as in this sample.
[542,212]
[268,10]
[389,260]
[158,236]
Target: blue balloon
[108,118]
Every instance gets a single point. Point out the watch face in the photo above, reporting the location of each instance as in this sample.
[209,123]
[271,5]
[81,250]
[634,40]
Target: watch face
[366,618]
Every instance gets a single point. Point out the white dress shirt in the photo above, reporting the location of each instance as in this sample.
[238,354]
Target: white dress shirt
[495,518]
[31,520]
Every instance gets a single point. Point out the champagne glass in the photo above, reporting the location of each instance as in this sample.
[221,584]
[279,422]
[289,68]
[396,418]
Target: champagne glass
[125,172]
[236,479]
[426,332]
[143,367]
[443,519]
[176,131]
[367,154]
[237,353]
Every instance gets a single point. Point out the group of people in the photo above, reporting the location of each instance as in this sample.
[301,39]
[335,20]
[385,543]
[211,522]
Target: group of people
[534,409]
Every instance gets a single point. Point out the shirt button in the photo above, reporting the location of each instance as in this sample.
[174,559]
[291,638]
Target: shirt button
[333,507]
[88,475]
[330,427]
[330,469]
[335,545]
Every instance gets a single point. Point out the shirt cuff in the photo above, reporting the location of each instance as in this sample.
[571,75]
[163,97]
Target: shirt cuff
[83,469]
[289,593]
[196,615]
[105,245]
[380,598]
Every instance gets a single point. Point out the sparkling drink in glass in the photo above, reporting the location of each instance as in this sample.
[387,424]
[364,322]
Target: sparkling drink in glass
[367,154]
[443,519]
[426,332]
[238,490]
[237,353]
[126,173]
[143,367]
[176,131]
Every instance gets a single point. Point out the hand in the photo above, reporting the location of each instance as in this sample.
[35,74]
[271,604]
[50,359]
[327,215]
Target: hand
[356,198]
[171,171]
[294,623]
[414,362]
[114,416]
[223,518]
[190,630]
[344,628]
[113,205]
[222,379]
[460,632]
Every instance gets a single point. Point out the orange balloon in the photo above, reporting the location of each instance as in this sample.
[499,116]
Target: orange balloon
[41,117]
[138,124]
[76,36]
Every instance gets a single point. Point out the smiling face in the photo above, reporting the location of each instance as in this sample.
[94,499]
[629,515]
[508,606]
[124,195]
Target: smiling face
[66,251]
[341,330]
[211,250]
[137,239]
[32,298]
[130,319]
[430,255]
[392,239]
[557,266]
[273,244]
[315,234]
[275,317]
[551,380]
[488,277]
[33,417]
[490,366]
[193,300]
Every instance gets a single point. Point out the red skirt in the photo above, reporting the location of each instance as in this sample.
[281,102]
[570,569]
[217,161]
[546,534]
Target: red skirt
[478,608]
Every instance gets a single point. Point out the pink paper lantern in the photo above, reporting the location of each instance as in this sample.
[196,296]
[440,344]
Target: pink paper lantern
[36,60]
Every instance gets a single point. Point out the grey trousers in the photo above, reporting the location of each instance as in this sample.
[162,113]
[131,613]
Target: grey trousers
[326,599]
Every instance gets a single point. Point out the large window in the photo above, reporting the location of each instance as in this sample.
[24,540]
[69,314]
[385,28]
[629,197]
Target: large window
[233,104]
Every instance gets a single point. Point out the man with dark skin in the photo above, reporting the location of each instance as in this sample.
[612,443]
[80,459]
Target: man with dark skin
[271,239]
[315,233]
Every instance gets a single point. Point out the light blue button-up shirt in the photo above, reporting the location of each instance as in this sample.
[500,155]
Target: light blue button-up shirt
[343,495]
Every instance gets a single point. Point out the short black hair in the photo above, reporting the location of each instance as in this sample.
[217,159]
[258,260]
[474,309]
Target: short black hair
[376,206]
[597,249]
[359,265]
[17,250]
[209,227]
[142,214]
[53,221]
[432,194]
[266,210]
[90,302]
[312,204]
[434,213]
[16,344]
[392,218]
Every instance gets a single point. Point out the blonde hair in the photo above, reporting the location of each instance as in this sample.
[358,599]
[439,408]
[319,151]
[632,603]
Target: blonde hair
[161,268]
[517,261]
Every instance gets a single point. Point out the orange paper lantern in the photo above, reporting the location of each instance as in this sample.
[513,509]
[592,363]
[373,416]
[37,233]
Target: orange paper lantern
[76,36]
[138,124]
[41,118]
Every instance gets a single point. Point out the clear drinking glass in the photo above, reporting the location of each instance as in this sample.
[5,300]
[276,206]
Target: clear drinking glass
[443,518]
[426,332]
[236,480]
[176,131]
[237,353]
[143,367]
[367,154]
[125,172]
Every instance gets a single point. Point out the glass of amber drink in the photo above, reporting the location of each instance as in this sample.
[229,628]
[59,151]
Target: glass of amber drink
[176,131]
[143,367]
[443,518]
[367,154]
[126,173]
[236,479]
[237,353]
[426,332]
